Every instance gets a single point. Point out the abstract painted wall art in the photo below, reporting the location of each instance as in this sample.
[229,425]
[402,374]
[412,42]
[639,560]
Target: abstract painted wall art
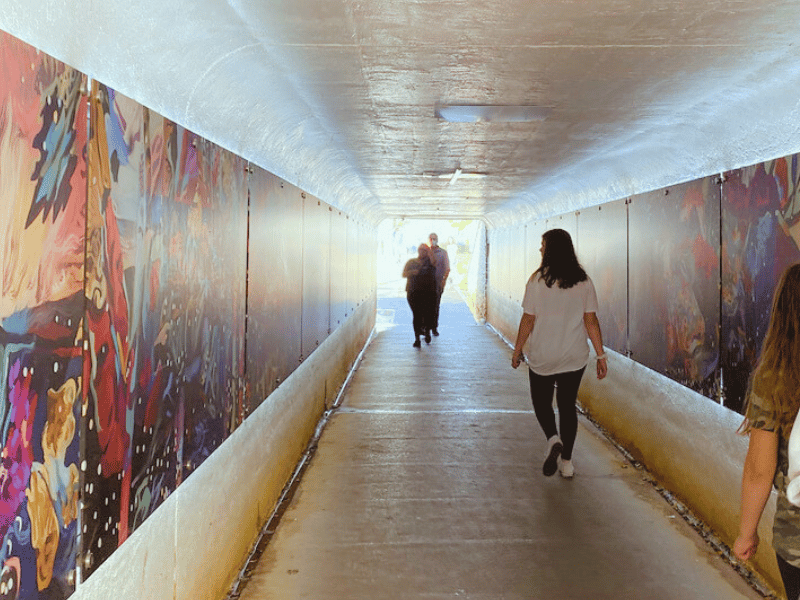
[166,275]
[124,311]
[761,238]
[674,246]
[42,224]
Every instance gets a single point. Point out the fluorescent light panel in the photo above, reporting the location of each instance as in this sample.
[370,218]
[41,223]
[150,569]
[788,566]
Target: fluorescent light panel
[491,113]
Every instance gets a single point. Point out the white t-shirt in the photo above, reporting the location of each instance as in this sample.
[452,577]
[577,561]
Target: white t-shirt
[558,342]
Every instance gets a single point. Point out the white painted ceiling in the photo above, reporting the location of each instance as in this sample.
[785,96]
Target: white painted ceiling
[339,97]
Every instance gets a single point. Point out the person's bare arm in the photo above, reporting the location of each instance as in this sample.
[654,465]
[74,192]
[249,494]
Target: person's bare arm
[596,337]
[757,475]
[526,324]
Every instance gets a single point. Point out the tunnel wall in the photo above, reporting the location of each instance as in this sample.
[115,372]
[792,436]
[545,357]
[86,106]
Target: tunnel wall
[685,277]
[174,322]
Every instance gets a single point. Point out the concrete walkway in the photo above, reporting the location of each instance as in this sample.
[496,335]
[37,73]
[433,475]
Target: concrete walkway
[427,484]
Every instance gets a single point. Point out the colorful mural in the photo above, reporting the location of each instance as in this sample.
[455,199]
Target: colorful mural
[761,238]
[674,283]
[124,273]
[165,287]
[42,223]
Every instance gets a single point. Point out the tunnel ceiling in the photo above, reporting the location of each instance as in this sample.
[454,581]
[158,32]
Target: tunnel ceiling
[493,109]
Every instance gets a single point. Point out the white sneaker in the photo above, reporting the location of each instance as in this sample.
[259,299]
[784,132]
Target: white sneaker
[566,468]
[554,447]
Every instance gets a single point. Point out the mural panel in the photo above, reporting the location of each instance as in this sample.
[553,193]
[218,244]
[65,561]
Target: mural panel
[338,269]
[674,283]
[602,248]
[209,218]
[761,237]
[368,262]
[42,224]
[355,283]
[105,437]
[316,274]
[275,294]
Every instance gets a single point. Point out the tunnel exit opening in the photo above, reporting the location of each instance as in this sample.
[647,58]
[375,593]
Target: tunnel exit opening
[465,243]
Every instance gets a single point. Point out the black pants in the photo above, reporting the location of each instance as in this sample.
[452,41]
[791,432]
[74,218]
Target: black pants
[791,579]
[566,385]
[436,309]
[422,309]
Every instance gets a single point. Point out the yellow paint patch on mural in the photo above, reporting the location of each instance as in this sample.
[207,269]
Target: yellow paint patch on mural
[44,528]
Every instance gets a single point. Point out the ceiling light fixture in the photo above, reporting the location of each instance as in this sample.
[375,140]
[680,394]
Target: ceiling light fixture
[491,113]
[459,174]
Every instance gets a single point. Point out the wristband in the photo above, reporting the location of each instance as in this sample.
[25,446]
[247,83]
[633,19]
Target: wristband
[601,356]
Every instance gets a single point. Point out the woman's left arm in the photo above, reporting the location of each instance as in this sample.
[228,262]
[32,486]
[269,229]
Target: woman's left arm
[526,324]
[757,475]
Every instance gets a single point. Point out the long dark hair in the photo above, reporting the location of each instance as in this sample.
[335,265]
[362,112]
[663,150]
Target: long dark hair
[559,263]
[777,373]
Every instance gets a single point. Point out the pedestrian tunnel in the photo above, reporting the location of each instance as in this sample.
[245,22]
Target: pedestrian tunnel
[178,325]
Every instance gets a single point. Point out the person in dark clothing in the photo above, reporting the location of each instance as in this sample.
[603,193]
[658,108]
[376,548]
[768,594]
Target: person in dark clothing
[442,263]
[420,274]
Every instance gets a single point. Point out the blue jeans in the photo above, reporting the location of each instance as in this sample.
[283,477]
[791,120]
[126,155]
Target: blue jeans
[566,385]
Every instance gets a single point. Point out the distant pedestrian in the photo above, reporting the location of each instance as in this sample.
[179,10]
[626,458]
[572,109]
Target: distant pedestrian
[772,404]
[442,272]
[420,273]
[559,312]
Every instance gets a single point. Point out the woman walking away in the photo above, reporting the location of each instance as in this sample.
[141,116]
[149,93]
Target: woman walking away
[421,292]
[560,310]
[772,404]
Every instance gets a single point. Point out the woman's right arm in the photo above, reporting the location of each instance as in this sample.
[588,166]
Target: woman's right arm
[592,324]
[757,475]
